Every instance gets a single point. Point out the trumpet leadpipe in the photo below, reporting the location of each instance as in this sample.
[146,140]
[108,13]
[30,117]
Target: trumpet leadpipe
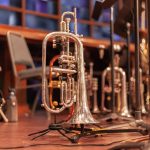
[60,70]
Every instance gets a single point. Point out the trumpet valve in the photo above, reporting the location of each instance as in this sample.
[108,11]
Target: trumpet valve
[54,84]
[57,42]
[55,104]
[54,43]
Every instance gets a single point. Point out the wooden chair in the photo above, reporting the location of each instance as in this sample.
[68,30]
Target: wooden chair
[20,55]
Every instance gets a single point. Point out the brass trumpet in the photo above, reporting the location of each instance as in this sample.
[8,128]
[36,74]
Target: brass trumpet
[70,73]
[120,88]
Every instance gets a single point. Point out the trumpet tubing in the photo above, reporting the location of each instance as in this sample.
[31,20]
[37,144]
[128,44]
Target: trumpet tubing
[66,71]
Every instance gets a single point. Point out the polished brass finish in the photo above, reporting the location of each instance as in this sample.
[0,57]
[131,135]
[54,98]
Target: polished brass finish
[71,73]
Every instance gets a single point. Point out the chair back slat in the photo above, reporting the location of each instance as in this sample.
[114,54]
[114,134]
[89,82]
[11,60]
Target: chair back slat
[19,51]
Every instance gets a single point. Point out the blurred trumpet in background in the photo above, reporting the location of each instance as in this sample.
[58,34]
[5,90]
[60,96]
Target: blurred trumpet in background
[92,88]
[120,89]
[144,61]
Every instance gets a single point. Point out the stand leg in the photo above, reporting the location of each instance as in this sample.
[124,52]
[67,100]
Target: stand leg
[42,131]
[137,49]
[40,135]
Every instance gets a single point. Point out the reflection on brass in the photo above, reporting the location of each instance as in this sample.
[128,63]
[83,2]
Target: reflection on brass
[55,84]
[71,79]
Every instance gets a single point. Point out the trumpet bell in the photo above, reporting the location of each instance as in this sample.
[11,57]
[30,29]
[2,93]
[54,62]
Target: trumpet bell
[125,113]
[82,116]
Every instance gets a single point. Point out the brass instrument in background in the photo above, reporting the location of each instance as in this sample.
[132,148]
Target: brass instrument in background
[147,95]
[120,88]
[132,80]
[144,56]
[92,88]
[70,73]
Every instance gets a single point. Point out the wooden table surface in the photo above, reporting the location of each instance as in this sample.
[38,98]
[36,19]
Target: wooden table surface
[15,135]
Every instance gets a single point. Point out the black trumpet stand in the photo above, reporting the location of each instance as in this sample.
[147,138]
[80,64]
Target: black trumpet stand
[77,133]
[54,127]
[137,49]
[112,57]
[128,25]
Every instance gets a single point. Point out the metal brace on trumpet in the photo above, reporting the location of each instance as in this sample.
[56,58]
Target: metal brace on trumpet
[70,74]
